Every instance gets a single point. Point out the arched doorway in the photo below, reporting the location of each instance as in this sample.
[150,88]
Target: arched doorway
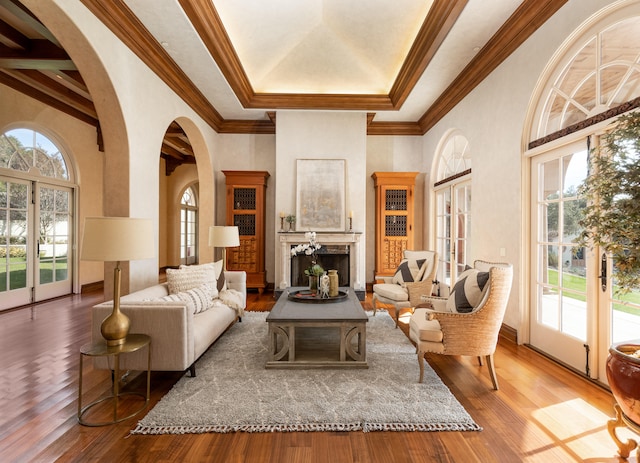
[594,77]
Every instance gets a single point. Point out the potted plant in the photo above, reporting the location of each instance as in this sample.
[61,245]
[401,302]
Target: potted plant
[291,220]
[612,221]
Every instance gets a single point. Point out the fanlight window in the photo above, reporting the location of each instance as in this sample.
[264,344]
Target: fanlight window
[603,74]
[455,157]
[26,150]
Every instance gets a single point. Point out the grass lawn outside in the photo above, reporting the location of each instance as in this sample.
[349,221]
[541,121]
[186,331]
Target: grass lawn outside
[576,287]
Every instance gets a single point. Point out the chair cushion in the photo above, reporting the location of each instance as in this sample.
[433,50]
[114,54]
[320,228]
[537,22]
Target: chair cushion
[409,270]
[422,329]
[391,291]
[468,291]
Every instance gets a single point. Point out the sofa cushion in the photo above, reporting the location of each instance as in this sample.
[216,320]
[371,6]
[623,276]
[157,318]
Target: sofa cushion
[409,270]
[198,299]
[468,291]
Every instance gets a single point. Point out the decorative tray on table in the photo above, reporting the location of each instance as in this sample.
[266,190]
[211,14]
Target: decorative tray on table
[313,297]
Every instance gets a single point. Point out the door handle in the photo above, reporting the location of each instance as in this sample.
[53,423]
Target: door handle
[603,272]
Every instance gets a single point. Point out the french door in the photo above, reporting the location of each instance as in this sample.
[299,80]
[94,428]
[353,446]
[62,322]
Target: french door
[453,229]
[36,226]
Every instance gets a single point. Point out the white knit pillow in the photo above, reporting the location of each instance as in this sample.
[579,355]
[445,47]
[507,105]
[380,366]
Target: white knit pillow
[198,299]
[190,276]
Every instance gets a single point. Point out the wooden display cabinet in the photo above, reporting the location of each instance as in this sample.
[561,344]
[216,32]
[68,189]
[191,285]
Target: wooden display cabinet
[394,219]
[246,209]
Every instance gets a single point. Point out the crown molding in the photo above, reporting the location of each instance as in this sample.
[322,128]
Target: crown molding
[527,18]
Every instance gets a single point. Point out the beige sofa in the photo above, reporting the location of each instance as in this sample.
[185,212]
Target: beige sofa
[178,336]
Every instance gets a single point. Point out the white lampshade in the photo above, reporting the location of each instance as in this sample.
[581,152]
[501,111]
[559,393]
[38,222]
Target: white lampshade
[111,239]
[224,237]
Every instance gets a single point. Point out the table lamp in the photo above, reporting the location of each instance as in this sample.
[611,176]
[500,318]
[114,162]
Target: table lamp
[224,237]
[116,239]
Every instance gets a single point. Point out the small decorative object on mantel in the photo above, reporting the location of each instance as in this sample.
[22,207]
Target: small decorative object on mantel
[291,220]
[282,217]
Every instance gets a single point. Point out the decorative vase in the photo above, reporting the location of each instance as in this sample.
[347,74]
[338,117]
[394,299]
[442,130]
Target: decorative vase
[313,283]
[623,374]
[333,283]
[324,286]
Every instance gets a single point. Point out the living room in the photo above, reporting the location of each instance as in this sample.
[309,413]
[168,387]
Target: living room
[117,171]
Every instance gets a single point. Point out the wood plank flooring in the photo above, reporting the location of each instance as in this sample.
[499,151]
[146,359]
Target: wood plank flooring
[542,412]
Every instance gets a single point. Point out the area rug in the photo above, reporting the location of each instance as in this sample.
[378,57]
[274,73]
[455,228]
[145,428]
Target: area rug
[234,392]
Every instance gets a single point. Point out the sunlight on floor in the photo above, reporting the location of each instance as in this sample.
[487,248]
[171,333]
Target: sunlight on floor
[582,429]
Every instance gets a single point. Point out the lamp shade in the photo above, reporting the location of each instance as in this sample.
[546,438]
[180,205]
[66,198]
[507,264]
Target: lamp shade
[110,239]
[224,237]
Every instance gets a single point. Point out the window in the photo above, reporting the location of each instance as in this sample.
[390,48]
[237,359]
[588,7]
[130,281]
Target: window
[188,227]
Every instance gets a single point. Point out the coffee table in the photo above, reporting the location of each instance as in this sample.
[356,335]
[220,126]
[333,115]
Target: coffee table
[327,335]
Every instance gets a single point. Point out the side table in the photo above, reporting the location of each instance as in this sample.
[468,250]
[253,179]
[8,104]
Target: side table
[133,343]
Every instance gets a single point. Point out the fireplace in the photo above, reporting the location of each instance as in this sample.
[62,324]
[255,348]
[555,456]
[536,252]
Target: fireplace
[340,251]
[328,257]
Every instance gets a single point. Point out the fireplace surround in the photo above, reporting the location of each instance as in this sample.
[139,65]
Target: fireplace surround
[335,245]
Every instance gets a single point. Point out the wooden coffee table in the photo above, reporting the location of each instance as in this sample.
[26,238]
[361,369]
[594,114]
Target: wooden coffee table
[307,335]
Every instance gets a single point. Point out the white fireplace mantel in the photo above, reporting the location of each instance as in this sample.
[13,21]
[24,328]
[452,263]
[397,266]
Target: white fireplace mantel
[352,239]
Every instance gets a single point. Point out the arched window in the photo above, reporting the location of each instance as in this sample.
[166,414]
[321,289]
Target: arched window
[602,74]
[188,227]
[26,150]
[36,219]
[453,206]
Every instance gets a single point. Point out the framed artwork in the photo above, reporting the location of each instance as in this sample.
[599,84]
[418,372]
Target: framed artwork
[320,197]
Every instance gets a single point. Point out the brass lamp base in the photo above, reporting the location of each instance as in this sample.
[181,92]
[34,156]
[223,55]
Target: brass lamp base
[115,327]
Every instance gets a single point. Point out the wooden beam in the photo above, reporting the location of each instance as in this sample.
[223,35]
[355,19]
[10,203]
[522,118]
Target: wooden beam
[12,38]
[21,87]
[41,54]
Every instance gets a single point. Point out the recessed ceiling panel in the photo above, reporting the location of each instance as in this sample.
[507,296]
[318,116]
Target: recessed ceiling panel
[322,46]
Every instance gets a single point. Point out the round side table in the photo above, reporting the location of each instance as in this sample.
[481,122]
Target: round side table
[133,343]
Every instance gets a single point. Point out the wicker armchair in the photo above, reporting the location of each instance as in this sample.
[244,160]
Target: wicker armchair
[407,295]
[444,332]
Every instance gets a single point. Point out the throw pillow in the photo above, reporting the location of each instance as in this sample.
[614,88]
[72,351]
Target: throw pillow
[198,299]
[468,291]
[190,276]
[409,270]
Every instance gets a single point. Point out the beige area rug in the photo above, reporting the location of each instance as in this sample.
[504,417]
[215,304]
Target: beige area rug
[234,392]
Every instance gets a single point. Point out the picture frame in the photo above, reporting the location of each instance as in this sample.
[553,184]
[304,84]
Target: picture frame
[320,195]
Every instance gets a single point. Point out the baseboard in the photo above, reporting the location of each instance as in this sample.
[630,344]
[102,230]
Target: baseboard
[508,333]
[90,287]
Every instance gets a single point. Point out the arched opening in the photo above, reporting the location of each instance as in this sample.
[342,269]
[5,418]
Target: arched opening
[594,77]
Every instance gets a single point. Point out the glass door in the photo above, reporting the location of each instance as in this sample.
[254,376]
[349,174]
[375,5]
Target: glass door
[453,232]
[565,285]
[35,237]
[52,242]
[16,272]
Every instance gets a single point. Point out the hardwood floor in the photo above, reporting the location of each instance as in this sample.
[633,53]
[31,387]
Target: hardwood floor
[542,412]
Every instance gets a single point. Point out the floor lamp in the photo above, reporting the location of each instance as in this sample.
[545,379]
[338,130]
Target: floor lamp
[116,239]
[224,237]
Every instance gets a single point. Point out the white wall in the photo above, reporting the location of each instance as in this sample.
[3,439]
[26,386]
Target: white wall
[322,135]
